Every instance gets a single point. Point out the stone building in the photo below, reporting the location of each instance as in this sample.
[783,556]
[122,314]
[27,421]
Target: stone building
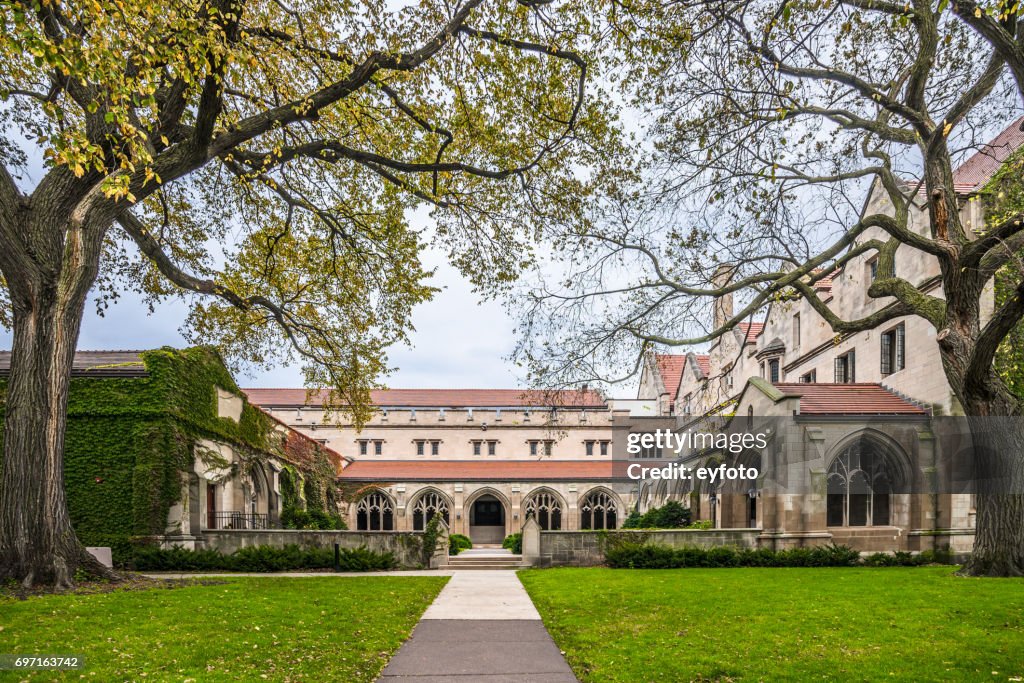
[857,413]
[482,459]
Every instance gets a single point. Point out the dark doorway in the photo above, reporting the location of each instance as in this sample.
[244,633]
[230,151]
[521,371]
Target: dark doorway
[211,506]
[487,520]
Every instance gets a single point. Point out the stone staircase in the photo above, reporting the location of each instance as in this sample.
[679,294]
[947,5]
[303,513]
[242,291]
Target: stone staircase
[486,558]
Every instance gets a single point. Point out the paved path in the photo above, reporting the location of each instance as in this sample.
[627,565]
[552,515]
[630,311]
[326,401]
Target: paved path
[296,575]
[482,627]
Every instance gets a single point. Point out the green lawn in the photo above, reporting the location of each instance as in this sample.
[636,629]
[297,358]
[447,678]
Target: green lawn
[247,629]
[914,624]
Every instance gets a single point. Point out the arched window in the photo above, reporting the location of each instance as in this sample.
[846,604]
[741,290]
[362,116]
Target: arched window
[598,511]
[546,508]
[375,512]
[430,503]
[861,481]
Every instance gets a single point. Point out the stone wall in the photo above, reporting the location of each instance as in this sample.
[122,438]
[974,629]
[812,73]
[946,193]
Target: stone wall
[404,545]
[584,549]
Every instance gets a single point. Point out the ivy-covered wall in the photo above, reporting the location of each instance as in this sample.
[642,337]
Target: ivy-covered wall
[130,440]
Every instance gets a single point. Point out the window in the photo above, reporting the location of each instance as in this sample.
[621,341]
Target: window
[378,447]
[604,448]
[430,504]
[547,447]
[536,444]
[845,368]
[375,512]
[546,508]
[893,350]
[533,448]
[492,447]
[796,330]
[362,448]
[589,445]
[476,447]
[648,452]
[598,511]
[687,410]
[773,370]
[872,270]
[810,378]
[861,481]
[420,447]
[435,447]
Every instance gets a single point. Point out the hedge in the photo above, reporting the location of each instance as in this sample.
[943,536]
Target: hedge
[457,543]
[262,558]
[629,555]
[514,542]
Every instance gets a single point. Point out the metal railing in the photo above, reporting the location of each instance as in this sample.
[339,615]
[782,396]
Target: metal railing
[236,519]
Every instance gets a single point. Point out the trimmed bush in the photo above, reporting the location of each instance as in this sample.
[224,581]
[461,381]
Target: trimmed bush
[262,558]
[457,543]
[671,515]
[627,555]
[514,542]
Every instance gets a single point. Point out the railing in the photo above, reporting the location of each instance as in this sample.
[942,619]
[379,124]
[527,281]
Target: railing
[236,519]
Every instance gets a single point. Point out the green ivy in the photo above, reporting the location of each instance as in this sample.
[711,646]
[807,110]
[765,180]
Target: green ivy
[131,441]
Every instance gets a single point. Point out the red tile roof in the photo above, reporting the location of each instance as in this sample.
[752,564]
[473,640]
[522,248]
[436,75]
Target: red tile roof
[670,367]
[980,168]
[475,470]
[441,398]
[703,362]
[849,399]
[751,331]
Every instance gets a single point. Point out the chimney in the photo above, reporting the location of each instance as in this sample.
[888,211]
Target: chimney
[723,304]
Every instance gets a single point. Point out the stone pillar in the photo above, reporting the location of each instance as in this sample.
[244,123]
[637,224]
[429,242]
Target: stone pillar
[531,542]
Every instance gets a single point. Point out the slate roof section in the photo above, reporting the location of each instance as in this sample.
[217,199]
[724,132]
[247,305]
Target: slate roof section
[95,364]
[849,399]
[366,469]
[441,398]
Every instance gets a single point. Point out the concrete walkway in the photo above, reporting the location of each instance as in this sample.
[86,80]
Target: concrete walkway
[482,627]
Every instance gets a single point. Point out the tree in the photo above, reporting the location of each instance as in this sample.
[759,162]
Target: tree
[772,122]
[260,158]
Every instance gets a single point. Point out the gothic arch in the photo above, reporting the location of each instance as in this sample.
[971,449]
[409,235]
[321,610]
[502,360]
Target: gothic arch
[864,471]
[600,508]
[375,511]
[546,506]
[428,502]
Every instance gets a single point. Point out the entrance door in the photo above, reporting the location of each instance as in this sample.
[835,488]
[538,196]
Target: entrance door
[487,521]
[211,506]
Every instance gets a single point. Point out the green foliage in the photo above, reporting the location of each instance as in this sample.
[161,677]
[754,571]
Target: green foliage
[130,441]
[671,515]
[514,542]
[457,543]
[431,538]
[642,555]
[262,558]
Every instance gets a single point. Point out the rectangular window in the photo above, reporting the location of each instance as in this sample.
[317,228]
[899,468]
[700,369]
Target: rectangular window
[362,448]
[547,447]
[773,370]
[810,378]
[845,367]
[419,448]
[893,350]
[872,270]
[492,447]
[533,448]
[476,448]
[589,446]
[796,330]
[435,447]
[604,448]
[378,447]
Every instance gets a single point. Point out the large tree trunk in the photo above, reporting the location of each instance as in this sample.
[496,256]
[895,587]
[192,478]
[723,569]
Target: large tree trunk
[37,542]
[999,471]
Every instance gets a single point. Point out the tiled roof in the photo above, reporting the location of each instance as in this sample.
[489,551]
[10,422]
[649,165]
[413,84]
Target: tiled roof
[441,398]
[980,168]
[670,367]
[750,331]
[474,470]
[95,364]
[849,399]
[703,362]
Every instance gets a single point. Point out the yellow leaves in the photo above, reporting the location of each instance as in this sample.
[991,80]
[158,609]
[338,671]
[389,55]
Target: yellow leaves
[977,12]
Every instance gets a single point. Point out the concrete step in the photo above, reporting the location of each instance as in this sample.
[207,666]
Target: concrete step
[484,558]
[492,566]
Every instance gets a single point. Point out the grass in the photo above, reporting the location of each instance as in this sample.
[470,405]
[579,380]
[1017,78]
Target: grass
[275,629]
[868,624]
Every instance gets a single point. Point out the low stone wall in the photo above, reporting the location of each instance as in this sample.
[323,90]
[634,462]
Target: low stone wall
[584,549]
[405,545]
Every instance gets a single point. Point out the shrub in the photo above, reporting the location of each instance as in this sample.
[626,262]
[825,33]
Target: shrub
[457,543]
[671,515]
[514,542]
[642,555]
[262,558]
